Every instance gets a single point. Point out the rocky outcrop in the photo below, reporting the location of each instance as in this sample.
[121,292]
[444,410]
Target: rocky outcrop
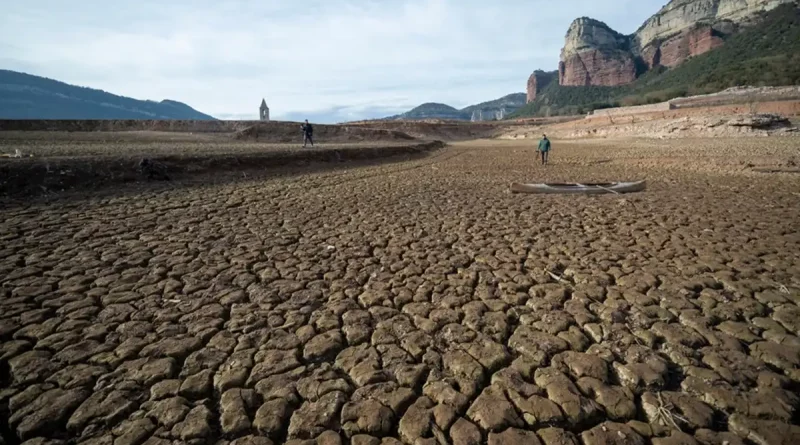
[538,81]
[681,15]
[595,54]
[677,49]
[688,28]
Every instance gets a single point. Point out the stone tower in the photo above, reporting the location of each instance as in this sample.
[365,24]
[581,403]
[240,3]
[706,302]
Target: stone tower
[263,111]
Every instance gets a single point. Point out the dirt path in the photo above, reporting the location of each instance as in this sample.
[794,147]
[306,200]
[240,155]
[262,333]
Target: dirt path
[416,302]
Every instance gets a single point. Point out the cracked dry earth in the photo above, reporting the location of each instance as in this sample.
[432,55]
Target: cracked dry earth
[415,303]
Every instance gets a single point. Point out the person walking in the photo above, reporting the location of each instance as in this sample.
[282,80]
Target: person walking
[544,148]
[308,132]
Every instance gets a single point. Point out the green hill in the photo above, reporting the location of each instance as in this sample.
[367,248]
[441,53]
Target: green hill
[766,54]
[25,96]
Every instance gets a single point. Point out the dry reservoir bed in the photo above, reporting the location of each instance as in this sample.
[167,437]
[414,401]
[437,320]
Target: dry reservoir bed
[415,303]
[54,162]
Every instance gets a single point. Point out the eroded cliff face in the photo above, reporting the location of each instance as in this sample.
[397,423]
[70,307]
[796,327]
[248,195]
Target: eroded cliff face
[681,15]
[538,81]
[595,54]
[680,47]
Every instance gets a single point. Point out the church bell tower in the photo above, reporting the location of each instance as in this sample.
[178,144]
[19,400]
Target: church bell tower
[263,111]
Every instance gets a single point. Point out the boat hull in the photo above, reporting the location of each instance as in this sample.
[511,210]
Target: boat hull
[581,189]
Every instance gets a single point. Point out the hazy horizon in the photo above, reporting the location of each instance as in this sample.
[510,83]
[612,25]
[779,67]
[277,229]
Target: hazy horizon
[328,62]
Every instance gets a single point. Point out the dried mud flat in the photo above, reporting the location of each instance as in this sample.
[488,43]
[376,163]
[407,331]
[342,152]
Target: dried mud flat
[416,303]
[54,162]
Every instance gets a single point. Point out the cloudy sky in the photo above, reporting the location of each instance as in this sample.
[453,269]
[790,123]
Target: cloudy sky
[325,60]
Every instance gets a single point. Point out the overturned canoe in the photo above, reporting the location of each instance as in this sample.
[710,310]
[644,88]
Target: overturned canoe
[591,188]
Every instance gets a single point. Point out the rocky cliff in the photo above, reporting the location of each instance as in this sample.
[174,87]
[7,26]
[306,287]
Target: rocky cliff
[595,54]
[538,81]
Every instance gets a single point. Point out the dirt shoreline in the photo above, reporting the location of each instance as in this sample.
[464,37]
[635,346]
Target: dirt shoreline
[41,175]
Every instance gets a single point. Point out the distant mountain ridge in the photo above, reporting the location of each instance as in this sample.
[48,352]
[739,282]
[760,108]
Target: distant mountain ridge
[26,96]
[491,110]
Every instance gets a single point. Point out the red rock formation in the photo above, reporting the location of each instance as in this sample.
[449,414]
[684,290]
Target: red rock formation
[531,90]
[595,54]
[677,49]
[597,67]
[537,82]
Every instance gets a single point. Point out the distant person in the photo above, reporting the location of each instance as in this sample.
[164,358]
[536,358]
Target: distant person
[308,132]
[544,148]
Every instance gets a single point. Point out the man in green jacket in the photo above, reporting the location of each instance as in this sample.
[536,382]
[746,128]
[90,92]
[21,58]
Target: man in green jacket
[544,148]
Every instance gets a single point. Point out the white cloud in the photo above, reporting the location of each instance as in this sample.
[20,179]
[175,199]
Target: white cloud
[340,57]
